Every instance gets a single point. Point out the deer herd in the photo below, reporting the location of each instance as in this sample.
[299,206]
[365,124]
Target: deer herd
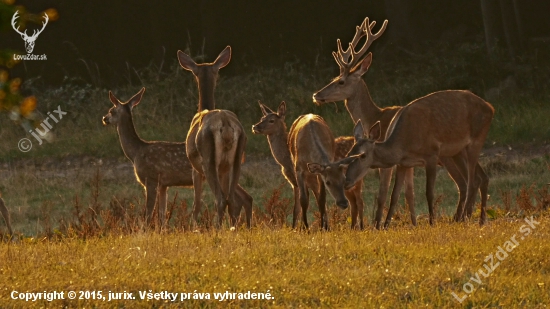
[445,128]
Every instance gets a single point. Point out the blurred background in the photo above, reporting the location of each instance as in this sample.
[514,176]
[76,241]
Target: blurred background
[104,41]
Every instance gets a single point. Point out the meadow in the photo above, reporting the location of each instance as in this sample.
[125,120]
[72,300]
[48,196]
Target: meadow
[77,208]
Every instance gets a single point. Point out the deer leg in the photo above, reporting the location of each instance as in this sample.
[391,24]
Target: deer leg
[472,153]
[385,179]
[208,153]
[232,208]
[151,197]
[350,195]
[409,193]
[242,198]
[320,194]
[197,191]
[482,184]
[456,168]
[234,175]
[483,180]
[304,197]
[6,215]
[399,181]
[296,205]
[359,200]
[162,205]
[431,173]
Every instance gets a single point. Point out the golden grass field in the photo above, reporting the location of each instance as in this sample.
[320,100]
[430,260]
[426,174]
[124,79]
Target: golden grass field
[403,267]
[80,229]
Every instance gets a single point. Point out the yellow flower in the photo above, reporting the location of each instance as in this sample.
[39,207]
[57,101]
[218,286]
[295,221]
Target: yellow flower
[52,14]
[3,76]
[28,106]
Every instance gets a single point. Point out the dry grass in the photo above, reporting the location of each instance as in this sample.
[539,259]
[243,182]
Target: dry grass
[400,268]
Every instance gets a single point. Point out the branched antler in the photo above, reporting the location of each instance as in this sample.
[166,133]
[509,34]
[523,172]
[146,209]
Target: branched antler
[343,57]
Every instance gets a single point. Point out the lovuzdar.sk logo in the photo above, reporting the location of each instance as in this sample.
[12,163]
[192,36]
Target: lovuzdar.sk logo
[29,39]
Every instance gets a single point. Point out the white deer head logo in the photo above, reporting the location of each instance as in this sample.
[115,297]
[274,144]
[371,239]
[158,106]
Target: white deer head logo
[29,40]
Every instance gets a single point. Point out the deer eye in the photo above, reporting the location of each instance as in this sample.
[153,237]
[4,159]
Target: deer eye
[327,183]
[341,82]
[271,121]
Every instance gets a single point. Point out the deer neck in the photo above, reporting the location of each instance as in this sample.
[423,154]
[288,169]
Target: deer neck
[129,139]
[206,92]
[361,106]
[387,154]
[279,149]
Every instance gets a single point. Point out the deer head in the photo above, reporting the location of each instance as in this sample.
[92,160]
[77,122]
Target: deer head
[352,65]
[121,110]
[271,122]
[29,40]
[206,75]
[334,178]
[361,154]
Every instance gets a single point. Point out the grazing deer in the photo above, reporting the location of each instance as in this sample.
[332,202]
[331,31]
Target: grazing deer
[273,126]
[450,124]
[311,146]
[6,215]
[215,146]
[206,76]
[157,165]
[352,89]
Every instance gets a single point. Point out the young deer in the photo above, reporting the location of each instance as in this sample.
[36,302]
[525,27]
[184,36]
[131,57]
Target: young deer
[157,165]
[311,146]
[221,163]
[352,89]
[215,147]
[273,126]
[6,215]
[450,124]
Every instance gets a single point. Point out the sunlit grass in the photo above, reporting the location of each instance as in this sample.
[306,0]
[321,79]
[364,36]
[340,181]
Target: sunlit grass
[401,267]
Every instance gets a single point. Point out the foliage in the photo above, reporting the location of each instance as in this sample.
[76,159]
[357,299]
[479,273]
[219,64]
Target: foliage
[21,109]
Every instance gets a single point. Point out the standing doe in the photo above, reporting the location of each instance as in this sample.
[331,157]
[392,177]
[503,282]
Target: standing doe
[273,126]
[215,142]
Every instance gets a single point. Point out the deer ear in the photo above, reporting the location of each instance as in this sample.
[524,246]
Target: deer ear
[223,58]
[265,110]
[113,99]
[315,168]
[281,111]
[136,98]
[358,131]
[363,66]
[375,131]
[187,62]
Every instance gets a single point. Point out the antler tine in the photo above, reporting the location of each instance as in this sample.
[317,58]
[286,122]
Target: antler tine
[338,57]
[44,23]
[370,38]
[13,19]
